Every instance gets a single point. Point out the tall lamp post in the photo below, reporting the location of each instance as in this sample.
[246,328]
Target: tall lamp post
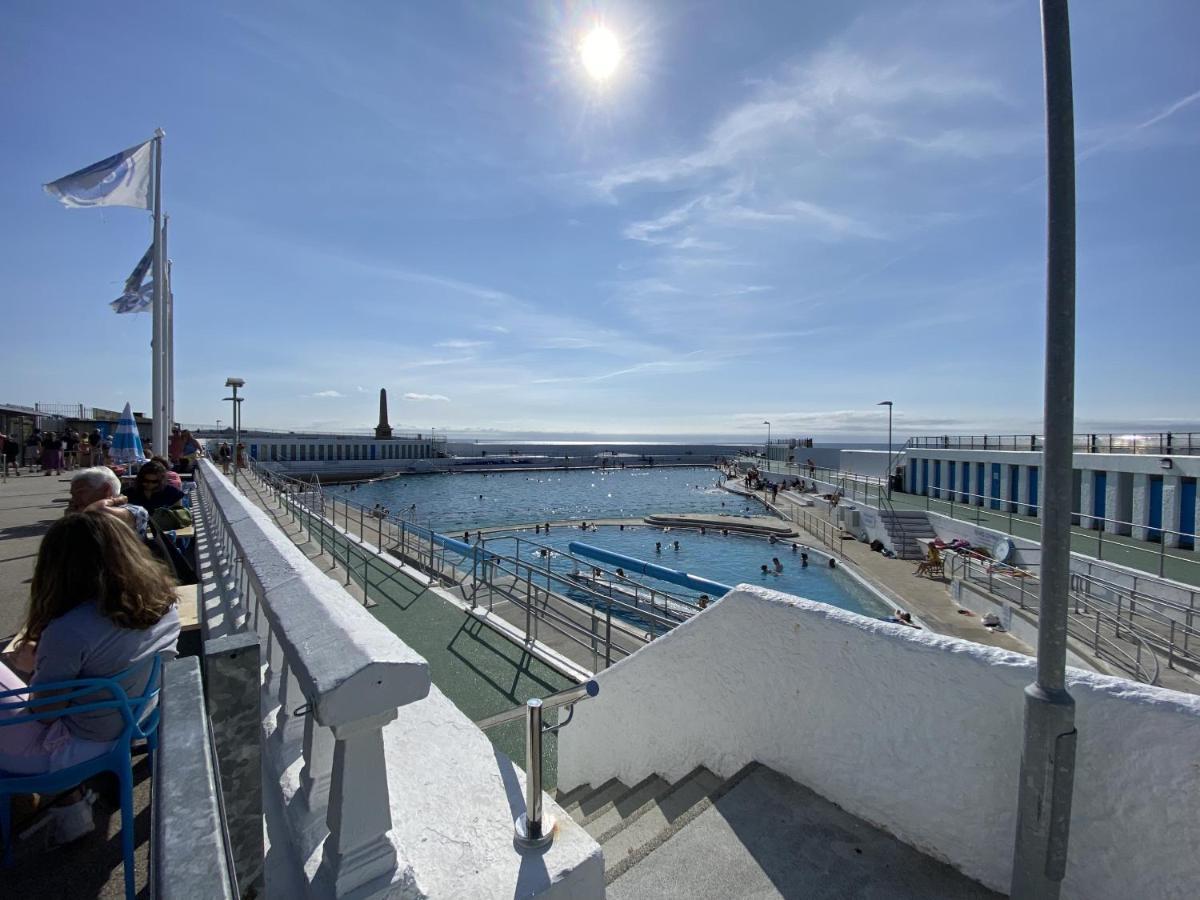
[888,404]
[1048,750]
[234,384]
[767,448]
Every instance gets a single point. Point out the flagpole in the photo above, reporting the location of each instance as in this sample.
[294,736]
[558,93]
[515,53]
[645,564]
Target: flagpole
[157,342]
[169,331]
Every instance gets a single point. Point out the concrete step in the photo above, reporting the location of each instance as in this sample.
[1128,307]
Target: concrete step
[584,806]
[628,806]
[637,836]
[573,796]
[763,835]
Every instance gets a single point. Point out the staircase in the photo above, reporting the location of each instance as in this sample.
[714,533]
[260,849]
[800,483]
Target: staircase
[756,834]
[904,527]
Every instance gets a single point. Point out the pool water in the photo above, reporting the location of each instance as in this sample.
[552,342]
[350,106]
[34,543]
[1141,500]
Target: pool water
[450,503]
[731,560]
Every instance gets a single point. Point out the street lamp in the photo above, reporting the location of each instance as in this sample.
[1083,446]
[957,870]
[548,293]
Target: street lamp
[888,404]
[1048,749]
[768,447]
[234,384]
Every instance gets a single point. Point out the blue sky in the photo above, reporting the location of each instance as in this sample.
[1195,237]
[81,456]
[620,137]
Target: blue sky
[772,210]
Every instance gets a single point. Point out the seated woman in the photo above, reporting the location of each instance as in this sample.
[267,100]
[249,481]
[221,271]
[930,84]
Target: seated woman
[151,491]
[99,604]
[171,477]
[164,503]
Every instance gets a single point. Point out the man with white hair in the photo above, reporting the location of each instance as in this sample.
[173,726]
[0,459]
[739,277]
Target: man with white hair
[99,488]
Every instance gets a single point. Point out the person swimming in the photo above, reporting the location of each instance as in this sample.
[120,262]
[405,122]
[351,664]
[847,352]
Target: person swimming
[658,546]
[778,565]
[804,560]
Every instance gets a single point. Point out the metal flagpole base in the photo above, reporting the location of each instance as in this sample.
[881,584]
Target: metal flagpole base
[1044,798]
[544,836]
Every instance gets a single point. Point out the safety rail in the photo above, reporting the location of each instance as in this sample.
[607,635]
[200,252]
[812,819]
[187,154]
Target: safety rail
[827,533]
[333,696]
[533,828]
[1096,627]
[528,586]
[1000,510]
[1163,443]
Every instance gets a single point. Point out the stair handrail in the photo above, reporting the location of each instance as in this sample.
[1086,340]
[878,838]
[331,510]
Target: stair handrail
[533,828]
[1076,625]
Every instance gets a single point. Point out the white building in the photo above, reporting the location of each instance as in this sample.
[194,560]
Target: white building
[1141,486]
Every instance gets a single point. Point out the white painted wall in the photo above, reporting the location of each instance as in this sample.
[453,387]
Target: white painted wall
[868,462]
[918,733]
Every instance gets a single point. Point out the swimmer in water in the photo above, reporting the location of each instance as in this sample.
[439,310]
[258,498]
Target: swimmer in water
[676,545]
[804,560]
[658,546]
[778,565]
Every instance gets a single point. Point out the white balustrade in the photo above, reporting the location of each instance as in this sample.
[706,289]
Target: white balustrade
[336,676]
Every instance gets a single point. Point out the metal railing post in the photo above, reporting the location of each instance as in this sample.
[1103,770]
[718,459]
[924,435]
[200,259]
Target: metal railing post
[531,829]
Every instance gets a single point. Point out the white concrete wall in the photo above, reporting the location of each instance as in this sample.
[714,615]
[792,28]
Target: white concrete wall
[868,462]
[918,733]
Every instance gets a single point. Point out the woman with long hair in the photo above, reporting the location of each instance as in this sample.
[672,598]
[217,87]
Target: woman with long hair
[99,604]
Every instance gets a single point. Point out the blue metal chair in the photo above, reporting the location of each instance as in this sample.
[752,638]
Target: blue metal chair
[140,716]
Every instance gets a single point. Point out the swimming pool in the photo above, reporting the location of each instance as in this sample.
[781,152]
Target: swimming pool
[732,560]
[450,503]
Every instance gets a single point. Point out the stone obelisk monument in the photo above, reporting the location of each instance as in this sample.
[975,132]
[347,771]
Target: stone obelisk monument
[383,430]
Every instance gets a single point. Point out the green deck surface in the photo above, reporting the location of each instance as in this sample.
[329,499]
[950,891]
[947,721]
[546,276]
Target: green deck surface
[480,671]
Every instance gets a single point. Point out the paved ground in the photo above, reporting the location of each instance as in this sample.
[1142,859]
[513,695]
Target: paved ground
[28,506]
[926,598]
[92,866]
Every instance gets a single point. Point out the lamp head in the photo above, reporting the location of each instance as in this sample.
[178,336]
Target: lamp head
[884,403]
[235,382]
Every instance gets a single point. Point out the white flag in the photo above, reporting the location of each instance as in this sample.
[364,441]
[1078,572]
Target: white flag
[135,300]
[121,180]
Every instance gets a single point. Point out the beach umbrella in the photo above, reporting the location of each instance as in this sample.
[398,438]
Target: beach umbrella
[126,443]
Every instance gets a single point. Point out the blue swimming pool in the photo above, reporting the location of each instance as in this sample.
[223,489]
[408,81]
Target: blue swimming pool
[732,560]
[450,503]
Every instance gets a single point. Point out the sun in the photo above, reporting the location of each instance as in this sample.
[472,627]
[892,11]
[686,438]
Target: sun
[600,53]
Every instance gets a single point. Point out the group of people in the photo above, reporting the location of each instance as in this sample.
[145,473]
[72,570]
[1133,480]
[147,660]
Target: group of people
[101,605]
[53,452]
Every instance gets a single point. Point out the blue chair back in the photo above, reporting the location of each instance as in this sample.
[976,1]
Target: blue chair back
[45,702]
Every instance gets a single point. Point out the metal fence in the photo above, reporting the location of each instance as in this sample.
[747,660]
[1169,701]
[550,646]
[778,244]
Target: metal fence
[1163,443]
[606,622]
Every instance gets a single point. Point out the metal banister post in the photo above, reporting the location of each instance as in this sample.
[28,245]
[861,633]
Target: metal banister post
[532,830]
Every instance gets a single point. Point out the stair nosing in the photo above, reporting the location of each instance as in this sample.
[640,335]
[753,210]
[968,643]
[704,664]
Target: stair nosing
[611,804]
[621,866]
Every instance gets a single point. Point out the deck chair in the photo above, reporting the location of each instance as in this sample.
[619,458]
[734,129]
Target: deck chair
[140,717]
[932,564]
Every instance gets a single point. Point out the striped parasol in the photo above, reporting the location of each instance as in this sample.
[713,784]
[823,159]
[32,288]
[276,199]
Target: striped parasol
[126,443]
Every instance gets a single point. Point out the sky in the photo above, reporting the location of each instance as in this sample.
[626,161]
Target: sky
[770,211]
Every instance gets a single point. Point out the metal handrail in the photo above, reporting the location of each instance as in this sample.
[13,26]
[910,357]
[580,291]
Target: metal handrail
[565,697]
[1076,625]
[533,828]
[1165,443]
[497,565]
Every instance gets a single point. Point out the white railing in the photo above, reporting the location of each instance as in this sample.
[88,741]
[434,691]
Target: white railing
[334,678]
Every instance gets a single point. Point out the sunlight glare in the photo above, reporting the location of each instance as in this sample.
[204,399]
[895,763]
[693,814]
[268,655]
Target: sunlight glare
[600,53]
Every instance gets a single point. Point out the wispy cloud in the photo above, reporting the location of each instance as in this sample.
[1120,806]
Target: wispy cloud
[422,398]
[681,366]
[327,394]
[1128,132]
[461,344]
